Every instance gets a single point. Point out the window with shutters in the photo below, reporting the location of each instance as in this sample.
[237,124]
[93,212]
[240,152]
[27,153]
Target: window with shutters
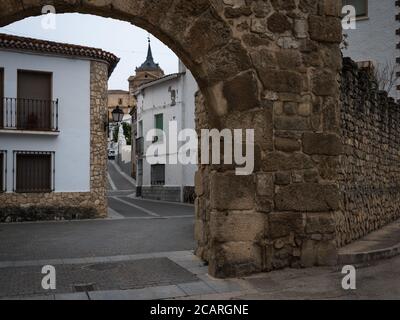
[159,125]
[34,172]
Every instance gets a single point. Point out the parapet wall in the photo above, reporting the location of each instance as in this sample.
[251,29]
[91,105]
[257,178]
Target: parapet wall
[369,172]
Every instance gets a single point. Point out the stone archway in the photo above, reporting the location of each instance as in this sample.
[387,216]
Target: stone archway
[268,65]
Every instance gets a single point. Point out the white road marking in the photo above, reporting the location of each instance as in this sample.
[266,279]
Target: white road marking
[111,182]
[133,196]
[114,215]
[151,213]
[123,174]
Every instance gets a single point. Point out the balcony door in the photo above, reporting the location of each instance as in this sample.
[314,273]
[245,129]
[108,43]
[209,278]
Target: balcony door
[34,105]
[1,98]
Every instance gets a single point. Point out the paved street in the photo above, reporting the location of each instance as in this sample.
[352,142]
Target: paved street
[131,249]
[58,240]
[117,180]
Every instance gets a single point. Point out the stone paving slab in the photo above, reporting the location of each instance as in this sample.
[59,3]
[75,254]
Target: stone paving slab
[154,293]
[101,276]
[196,288]
[72,296]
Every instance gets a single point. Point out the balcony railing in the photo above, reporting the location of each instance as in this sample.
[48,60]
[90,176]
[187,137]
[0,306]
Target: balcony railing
[28,114]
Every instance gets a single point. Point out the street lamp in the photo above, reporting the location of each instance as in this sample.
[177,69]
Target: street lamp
[117,115]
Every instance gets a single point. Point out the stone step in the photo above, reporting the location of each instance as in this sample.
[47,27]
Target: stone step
[378,245]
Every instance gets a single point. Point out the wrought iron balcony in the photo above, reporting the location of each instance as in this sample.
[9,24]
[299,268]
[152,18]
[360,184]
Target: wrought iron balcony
[28,114]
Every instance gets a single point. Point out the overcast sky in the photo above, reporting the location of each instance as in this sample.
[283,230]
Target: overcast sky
[121,38]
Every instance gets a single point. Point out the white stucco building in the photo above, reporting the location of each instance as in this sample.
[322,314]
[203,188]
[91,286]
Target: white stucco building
[376,37]
[159,102]
[46,102]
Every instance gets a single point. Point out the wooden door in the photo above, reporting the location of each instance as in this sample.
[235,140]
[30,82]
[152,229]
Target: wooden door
[34,105]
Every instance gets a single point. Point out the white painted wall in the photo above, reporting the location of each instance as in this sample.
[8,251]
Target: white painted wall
[71,85]
[375,38]
[156,99]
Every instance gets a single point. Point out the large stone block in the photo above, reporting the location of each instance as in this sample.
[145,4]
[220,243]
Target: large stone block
[324,83]
[279,161]
[231,192]
[279,23]
[325,29]
[282,80]
[241,92]
[265,185]
[287,145]
[323,223]
[322,144]
[307,197]
[236,226]
[283,224]
[233,259]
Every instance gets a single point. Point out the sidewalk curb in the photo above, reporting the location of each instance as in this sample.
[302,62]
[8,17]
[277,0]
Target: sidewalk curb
[369,256]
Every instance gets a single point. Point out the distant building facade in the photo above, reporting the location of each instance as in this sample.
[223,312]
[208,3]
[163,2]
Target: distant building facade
[376,39]
[147,72]
[170,98]
[119,98]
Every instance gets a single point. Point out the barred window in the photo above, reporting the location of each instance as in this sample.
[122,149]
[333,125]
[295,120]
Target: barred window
[158,175]
[3,171]
[34,172]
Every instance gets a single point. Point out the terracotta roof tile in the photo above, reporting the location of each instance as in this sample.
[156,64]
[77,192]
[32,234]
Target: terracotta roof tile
[35,45]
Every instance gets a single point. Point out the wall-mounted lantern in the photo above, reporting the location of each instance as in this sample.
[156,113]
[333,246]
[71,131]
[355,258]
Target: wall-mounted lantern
[117,117]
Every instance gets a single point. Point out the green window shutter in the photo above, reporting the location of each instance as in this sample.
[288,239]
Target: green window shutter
[159,121]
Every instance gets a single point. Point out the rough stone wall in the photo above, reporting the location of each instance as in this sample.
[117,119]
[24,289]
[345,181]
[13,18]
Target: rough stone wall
[64,205]
[369,171]
[282,215]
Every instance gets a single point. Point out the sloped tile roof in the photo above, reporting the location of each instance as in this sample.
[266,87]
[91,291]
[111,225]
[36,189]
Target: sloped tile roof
[50,47]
